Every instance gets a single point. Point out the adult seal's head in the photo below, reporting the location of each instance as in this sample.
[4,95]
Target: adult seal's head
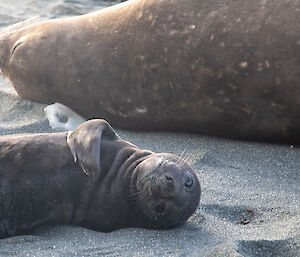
[165,189]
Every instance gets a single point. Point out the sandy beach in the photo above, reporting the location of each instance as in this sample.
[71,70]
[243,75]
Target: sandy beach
[250,203]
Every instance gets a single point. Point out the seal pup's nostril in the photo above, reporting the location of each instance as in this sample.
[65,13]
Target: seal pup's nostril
[169,178]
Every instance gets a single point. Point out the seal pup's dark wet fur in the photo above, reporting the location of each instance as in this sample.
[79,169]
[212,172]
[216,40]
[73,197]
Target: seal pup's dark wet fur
[43,181]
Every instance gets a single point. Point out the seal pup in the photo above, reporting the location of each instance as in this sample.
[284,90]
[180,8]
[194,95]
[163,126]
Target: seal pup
[222,67]
[92,178]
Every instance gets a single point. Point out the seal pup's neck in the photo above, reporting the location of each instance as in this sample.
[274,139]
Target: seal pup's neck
[130,177]
[110,201]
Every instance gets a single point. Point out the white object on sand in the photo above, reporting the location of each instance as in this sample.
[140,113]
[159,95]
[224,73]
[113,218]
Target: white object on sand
[62,117]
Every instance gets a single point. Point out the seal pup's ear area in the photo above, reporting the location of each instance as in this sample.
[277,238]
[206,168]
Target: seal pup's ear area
[85,144]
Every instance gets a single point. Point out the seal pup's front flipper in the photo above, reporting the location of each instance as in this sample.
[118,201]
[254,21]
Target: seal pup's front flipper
[85,145]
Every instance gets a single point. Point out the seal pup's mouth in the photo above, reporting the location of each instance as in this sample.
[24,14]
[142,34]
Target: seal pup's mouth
[160,209]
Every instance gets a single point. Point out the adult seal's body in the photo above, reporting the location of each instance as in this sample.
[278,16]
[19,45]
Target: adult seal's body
[40,183]
[222,67]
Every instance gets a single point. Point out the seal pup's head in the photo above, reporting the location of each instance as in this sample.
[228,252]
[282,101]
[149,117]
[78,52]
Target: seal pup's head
[166,190]
[159,190]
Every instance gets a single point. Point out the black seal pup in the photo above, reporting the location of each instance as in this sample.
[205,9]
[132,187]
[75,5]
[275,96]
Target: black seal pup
[93,178]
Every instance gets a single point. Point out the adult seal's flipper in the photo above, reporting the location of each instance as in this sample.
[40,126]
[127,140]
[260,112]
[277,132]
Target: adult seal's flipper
[62,118]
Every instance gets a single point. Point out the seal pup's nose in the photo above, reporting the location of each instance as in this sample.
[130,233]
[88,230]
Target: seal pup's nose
[169,178]
[168,184]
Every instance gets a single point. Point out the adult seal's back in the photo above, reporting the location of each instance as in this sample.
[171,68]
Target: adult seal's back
[91,177]
[222,67]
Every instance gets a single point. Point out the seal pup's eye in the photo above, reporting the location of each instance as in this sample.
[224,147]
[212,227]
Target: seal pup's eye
[160,208]
[189,182]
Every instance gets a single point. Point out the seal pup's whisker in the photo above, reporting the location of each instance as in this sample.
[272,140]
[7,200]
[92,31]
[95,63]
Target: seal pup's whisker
[185,157]
[180,156]
[188,158]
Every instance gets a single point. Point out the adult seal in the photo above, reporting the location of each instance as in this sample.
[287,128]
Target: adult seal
[221,67]
[91,177]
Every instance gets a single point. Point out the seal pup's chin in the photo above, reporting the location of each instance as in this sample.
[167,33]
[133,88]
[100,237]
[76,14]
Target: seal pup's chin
[167,190]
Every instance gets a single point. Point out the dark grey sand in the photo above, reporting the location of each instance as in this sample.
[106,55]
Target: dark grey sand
[241,181]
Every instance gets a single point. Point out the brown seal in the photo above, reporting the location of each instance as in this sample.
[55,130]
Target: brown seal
[43,181]
[223,67]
